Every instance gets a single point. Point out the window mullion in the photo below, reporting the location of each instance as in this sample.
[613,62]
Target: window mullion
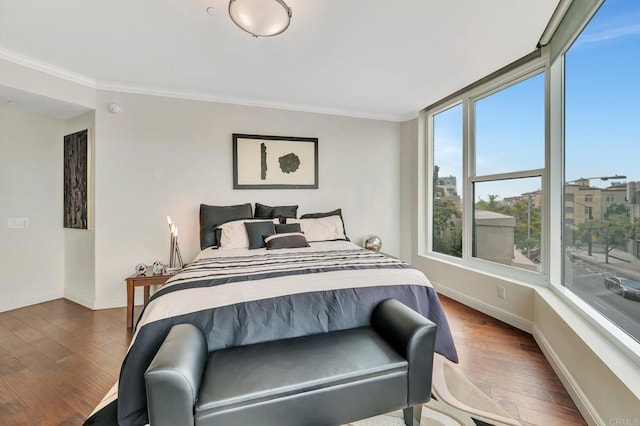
[468,169]
[556,170]
[508,175]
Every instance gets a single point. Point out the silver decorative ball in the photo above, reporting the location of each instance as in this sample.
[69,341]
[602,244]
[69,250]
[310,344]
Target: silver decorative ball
[373,243]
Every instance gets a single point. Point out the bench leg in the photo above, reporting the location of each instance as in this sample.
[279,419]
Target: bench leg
[412,415]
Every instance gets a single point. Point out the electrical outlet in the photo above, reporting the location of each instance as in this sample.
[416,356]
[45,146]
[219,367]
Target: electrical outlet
[18,222]
[502,292]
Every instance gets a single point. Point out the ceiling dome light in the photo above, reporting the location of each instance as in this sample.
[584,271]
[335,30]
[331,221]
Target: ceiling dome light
[260,18]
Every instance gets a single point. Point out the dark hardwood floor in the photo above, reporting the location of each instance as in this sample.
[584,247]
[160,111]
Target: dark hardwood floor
[508,366]
[58,359]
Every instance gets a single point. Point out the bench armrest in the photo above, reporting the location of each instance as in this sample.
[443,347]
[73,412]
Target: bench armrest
[173,377]
[412,336]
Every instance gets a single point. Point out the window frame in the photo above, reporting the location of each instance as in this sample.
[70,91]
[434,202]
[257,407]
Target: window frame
[552,56]
[526,68]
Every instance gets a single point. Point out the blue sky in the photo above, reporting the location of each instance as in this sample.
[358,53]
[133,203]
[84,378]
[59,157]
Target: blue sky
[602,89]
[602,112]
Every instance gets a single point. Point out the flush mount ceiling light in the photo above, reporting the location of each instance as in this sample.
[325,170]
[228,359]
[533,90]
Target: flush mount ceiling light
[260,18]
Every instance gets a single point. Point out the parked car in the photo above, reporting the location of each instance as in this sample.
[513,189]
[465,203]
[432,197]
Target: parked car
[629,289]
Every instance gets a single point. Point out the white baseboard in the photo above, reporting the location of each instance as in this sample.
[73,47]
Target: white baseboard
[587,410]
[88,303]
[510,318]
[21,303]
[114,302]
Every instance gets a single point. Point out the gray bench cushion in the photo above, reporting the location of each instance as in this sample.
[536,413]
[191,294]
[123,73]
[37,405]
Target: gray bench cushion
[247,375]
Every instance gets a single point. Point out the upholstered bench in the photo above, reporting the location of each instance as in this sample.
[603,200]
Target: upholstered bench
[322,379]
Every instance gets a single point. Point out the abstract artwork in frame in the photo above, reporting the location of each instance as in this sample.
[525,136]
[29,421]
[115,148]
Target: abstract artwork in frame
[274,162]
[76,180]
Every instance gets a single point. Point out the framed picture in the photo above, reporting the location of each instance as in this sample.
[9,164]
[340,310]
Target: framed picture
[274,162]
[76,180]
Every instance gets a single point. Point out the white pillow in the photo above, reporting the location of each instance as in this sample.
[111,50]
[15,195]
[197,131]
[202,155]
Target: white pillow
[234,234]
[327,228]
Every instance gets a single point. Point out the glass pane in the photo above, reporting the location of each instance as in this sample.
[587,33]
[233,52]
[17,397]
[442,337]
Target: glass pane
[447,182]
[507,225]
[601,216]
[510,128]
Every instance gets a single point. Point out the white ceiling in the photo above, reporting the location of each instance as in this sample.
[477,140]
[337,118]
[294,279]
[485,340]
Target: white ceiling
[14,98]
[372,58]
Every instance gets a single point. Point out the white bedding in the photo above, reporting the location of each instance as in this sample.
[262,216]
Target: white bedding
[199,298]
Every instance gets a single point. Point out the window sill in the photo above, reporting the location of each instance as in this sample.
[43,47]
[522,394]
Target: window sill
[501,272]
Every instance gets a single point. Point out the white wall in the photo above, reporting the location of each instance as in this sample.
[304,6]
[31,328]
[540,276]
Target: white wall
[408,154]
[164,156]
[604,384]
[31,259]
[79,253]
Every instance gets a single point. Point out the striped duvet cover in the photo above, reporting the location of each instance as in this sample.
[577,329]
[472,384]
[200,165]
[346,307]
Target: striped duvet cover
[239,297]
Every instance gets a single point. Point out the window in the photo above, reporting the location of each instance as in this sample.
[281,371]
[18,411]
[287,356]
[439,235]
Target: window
[447,173]
[509,128]
[601,264]
[509,162]
[501,220]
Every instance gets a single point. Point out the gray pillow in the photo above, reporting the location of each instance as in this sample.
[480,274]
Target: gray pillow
[213,216]
[288,240]
[336,212]
[256,232]
[287,227]
[268,212]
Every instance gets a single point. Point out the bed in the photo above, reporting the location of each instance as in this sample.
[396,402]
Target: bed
[240,296]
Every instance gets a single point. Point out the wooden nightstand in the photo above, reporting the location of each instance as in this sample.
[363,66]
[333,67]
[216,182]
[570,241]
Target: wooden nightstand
[145,281]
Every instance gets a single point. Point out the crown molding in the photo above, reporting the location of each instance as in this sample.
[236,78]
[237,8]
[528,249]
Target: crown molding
[53,70]
[204,97]
[84,80]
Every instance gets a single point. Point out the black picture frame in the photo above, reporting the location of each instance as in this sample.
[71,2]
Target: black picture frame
[76,184]
[274,162]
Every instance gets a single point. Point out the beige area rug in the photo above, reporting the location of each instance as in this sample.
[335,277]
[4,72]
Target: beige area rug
[456,402]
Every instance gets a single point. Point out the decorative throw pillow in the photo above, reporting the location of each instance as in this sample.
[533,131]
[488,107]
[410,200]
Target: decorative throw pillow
[213,216]
[336,212]
[328,228]
[286,240]
[277,211]
[281,228]
[234,234]
[256,231]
